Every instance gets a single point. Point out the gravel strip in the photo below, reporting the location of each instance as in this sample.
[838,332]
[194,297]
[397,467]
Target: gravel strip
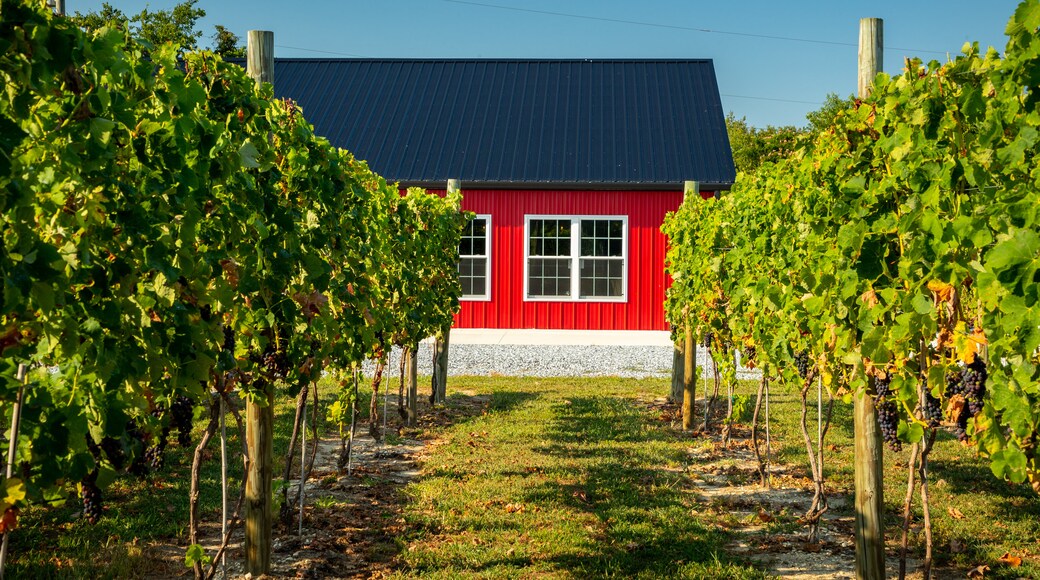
[553,361]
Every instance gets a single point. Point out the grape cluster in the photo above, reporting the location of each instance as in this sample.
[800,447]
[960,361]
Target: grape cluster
[229,339]
[275,361]
[931,408]
[709,337]
[91,495]
[801,362]
[181,412]
[883,387]
[970,383]
[113,449]
[888,420]
[139,466]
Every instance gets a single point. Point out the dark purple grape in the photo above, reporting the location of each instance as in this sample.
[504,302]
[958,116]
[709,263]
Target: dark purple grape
[883,387]
[888,421]
[801,362]
[181,412]
[91,495]
[931,408]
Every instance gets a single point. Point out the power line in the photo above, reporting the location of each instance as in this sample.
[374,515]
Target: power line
[321,51]
[771,99]
[687,28]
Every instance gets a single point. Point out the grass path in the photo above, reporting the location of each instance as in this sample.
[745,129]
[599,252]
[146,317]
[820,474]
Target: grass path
[564,478]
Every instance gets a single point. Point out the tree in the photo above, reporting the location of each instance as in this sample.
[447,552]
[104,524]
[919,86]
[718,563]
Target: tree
[227,44]
[823,118]
[753,147]
[177,25]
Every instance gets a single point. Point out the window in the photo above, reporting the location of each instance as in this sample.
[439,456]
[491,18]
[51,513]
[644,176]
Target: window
[475,259]
[576,258]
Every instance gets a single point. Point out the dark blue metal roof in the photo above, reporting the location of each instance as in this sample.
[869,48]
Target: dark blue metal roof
[520,123]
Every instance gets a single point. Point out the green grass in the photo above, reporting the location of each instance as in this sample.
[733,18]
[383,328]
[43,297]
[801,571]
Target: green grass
[561,478]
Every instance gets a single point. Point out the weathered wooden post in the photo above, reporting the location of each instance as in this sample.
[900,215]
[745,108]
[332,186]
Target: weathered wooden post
[678,372]
[259,414]
[870,533]
[689,375]
[439,380]
[411,393]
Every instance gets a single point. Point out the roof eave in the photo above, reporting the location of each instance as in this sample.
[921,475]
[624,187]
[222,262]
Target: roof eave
[580,186]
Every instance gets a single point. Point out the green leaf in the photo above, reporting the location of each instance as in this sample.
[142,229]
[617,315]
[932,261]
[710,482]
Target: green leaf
[248,153]
[196,555]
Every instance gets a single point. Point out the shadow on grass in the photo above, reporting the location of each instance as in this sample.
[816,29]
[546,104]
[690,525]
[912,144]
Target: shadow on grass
[645,525]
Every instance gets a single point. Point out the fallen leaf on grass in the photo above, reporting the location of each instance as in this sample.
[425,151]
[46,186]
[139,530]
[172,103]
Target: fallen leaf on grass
[979,572]
[1013,561]
[957,547]
[955,513]
[581,496]
[515,508]
[764,516]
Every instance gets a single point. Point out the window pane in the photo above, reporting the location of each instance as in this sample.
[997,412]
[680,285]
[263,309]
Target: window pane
[466,247]
[479,286]
[536,228]
[565,228]
[468,230]
[479,227]
[480,247]
[586,287]
[465,267]
[616,228]
[536,247]
[549,277]
[601,247]
[601,277]
[615,248]
[587,229]
[467,286]
[550,248]
[564,247]
[480,268]
[586,245]
[601,228]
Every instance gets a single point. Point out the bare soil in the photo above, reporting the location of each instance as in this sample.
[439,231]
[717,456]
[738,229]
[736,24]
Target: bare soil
[352,521]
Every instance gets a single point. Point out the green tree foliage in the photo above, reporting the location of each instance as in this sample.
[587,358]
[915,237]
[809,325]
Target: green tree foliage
[901,243]
[178,25]
[227,44]
[752,147]
[824,118]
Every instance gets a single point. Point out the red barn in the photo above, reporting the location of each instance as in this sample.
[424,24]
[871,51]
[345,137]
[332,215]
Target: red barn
[570,166]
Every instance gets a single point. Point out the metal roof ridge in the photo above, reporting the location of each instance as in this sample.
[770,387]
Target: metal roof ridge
[484,60]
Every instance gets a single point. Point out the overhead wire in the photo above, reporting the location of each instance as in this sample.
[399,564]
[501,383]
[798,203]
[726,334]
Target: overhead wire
[686,28]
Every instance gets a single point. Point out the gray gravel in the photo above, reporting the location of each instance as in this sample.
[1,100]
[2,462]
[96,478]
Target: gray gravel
[553,361]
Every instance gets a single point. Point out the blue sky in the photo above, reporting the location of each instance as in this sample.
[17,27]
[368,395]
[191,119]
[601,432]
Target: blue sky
[769,81]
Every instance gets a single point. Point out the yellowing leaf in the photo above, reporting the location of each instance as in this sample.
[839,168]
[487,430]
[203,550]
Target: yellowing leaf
[1013,561]
[942,291]
[869,298]
[14,491]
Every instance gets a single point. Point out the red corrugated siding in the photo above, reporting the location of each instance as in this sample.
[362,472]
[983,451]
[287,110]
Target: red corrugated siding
[644,309]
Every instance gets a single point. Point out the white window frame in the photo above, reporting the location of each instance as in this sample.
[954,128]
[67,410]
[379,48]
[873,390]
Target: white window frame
[576,258]
[486,297]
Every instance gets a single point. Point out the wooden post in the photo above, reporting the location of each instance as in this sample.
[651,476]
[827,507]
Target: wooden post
[870,533]
[411,370]
[678,373]
[691,189]
[259,414]
[689,377]
[439,380]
